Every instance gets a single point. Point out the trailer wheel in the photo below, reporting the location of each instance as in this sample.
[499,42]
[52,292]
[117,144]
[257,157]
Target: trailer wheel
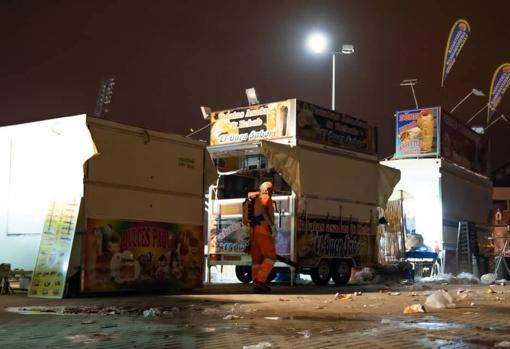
[321,274]
[341,272]
[243,273]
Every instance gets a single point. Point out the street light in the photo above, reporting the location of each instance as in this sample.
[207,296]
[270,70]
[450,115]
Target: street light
[411,83]
[496,120]
[478,112]
[318,43]
[473,92]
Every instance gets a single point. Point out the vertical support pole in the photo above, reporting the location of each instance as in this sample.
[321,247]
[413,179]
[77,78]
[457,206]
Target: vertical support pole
[333,84]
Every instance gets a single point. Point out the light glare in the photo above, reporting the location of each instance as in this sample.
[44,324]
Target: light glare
[317,43]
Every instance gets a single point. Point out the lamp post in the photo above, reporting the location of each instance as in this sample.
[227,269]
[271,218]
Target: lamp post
[496,120]
[474,91]
[318,44]
[478,112]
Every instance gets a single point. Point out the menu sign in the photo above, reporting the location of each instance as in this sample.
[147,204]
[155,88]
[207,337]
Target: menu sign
[253,123]
[417,132]
[50,270]
[324,126]
[138,255]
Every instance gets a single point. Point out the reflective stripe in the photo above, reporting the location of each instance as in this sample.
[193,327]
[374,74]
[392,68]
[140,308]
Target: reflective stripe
[264,270]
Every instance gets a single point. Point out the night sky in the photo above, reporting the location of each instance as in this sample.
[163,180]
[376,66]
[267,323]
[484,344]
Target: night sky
[171,57]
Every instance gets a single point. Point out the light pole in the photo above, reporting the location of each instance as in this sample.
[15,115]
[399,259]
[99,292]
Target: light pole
[474,91]
[318,44]
[411,83]
[478,112]
[496,120]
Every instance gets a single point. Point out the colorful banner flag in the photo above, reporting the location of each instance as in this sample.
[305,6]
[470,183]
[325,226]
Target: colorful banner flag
[499,85]
[456,40]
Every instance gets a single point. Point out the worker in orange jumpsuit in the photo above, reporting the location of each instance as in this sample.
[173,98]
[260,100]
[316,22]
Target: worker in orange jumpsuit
[263,251]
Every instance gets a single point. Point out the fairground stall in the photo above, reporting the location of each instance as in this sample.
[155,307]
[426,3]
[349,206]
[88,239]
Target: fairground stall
[99,206]
[327,179]
[442,203]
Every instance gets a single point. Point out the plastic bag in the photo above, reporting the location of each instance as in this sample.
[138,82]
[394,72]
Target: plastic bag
[439,299]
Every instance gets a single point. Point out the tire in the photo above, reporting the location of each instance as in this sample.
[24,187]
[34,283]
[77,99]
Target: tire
[243,273]
[321,274]
[341,272]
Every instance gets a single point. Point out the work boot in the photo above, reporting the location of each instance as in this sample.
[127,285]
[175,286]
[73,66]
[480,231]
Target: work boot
[259,287]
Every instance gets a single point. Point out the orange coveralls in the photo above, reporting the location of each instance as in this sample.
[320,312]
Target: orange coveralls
[263,252]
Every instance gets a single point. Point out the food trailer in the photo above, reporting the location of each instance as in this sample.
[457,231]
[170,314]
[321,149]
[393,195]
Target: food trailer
[327,179]
[443,185]
[98,206]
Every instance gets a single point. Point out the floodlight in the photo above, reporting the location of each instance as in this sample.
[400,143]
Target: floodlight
[347,49]
[206,112]
[104,96]
[477,93]
[478,129]
[411,83]
[251,94]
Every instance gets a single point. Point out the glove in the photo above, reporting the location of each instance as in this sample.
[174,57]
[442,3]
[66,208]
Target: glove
[274,231]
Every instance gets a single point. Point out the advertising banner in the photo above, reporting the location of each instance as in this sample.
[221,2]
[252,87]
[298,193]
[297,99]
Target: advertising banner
[499,85]
[417,132]
[327,127]
[462,146]
[253,123]
[49,276]
[329,237]
[456,40]
[124,255]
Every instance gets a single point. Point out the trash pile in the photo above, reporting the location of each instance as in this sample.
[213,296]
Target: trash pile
[384,273]
[365,275]
[100,310]
[442,299]
[261,345]
[448,278]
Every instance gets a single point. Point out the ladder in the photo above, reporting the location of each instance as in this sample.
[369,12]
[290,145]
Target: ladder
[502,260]
[467,248]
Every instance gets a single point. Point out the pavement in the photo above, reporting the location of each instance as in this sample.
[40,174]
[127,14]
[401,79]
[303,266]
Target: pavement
[231,316]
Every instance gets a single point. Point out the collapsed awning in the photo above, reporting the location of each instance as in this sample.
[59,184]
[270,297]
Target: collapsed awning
[326,175]
[388,179]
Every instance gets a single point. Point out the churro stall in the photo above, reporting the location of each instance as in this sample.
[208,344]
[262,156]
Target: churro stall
[443,187]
